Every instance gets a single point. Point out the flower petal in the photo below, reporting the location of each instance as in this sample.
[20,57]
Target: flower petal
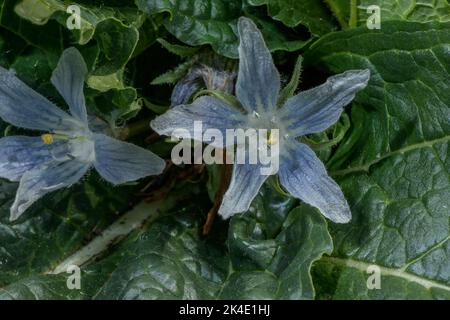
[245,184]
[68,78]
[20,154]
[305,177]
[317,109]
[119,162]
[258,83]
[23,107]
[45,179]
[212,112]
[185,88]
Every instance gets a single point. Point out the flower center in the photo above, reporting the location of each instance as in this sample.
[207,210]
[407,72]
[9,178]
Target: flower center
[48,138]
[81,147]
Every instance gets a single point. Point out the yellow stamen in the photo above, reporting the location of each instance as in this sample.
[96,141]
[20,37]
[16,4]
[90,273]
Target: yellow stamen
[272,140]
[47,138]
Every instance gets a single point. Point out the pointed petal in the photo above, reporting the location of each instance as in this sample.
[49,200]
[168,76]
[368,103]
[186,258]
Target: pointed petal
[45,179]
[68,78]
[212,112]
[305,177]
[258,83]
[20,154]
[245,184]
[23,107]
[317,109]
[119,162]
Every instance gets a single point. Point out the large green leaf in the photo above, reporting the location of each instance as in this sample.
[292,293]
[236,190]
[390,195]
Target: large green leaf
[53,228]
[270,252]
[112,36]
[268,255]
[120,33]
[40,11]
[49,287]
[43,38]
[63,221]
[411,10]
[214,22]
[408,10]
[310,13]
[394,165]
[57,281]
[341,10]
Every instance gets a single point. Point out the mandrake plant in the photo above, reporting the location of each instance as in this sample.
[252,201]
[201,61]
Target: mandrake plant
[93,205]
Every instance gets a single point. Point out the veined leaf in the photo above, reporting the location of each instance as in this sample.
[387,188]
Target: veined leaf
[310,13]
[407,10]
[119,35]
[44,287]
[410,10]
[214,22]
[54,227]
[115,29]
[269,255]
[42,38]
[394,165]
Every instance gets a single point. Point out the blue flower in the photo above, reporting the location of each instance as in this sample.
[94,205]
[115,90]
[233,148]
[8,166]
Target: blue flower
[301,173]
[63,155]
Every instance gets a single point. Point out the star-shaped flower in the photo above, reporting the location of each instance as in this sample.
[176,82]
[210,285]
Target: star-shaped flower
[301,173]
[63,155]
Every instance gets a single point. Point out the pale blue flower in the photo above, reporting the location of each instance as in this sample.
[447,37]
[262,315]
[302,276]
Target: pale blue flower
[301,173]
[61,157]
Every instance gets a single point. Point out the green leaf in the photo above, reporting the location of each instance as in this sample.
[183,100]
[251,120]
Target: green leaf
[53,282]
[179,50]
[407,10]
[269,255]
[278,267]
[394,164]
[214,22]
[289,90]
[310,13]
[120,33]
[223,96]
[323,143]
[53,287]
[40,11]
[116,31]
[410,10]
[341,10]
[172,76]
[48,287]
[53,228]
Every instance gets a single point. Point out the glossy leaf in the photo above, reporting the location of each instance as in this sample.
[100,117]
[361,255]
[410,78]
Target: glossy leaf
[394,165]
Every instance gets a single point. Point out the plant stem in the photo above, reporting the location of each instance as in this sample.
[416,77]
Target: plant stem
[225,177]
[337,13]
[134,129]
[143,213]
[353,23]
